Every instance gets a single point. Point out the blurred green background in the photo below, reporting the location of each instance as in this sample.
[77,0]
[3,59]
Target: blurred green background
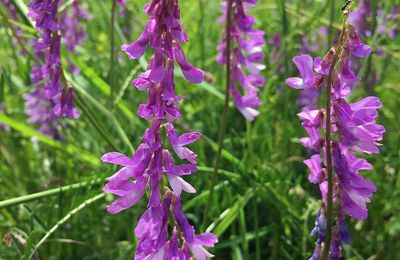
[263,207]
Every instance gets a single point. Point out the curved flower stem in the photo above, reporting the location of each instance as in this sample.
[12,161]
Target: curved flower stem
[83,205]
[47,193]
[224,112]
[328,140]
[112,54]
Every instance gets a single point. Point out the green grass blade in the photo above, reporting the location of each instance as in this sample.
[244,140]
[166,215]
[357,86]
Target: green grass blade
[29,132]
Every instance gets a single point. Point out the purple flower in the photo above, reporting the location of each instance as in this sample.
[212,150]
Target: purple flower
[178,143]
[357,127]
[308,79]
[65,108]
[356,46]
[40,110]
[356,191]
[195,243]
[317,174]
[152,230]
[246,58]
[174,173]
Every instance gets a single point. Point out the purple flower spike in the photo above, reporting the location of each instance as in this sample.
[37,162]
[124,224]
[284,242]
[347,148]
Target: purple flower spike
[352,128]
[246,58]
[144,171]
[50,101]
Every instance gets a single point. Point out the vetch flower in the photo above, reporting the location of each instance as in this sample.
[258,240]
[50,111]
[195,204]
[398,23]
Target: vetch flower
[351,127]
[144,171]
[246,59]
[50,100]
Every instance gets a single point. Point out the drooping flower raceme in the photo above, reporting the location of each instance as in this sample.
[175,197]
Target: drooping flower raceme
[164,34]
[246,57]
[49,101]
[353,129]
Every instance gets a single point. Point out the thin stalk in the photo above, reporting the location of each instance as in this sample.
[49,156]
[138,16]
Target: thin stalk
[81,105]
[112,54]
[331,21]
[222,128]
[328,140]
[202,33]
[43,194]
[15,34]
[63,220]
[95,122]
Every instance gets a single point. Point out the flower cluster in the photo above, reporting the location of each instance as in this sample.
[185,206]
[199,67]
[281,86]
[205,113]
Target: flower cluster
[164,34]
[353,128]
[72,31]
[245,57]
[49,101]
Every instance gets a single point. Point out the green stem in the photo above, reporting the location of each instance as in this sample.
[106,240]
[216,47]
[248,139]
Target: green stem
[15,34]
[43,194]
[112,54]
[328,145]
[94,122]
[202,33]
[331,20]
[222,128]
[65,219]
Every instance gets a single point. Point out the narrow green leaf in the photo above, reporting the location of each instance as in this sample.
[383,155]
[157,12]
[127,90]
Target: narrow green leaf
[227,217]
[69,148]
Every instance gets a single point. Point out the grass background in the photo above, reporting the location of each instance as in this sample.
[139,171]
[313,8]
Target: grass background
[263,206]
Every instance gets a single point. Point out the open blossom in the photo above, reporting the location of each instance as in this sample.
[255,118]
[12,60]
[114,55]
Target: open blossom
[246,57]
[353,128]
[49,101]
[144,171]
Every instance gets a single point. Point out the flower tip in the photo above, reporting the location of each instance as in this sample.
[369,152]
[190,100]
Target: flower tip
[194,75]
[113,210]
[294,82]
[133,51]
